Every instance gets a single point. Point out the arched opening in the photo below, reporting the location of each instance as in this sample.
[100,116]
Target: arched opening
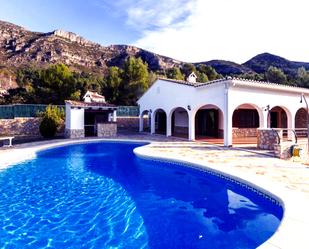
[278,118]
[146,120]
[160,122]
[301,123]
[301,118]
[209,122]
[180,123]
[245,121]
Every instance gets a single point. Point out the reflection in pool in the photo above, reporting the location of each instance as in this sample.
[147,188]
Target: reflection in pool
[100,195]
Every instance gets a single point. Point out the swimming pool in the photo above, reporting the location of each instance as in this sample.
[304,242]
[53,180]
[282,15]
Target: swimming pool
[100,195]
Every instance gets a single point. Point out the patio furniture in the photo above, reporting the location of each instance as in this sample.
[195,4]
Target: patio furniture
[7,138]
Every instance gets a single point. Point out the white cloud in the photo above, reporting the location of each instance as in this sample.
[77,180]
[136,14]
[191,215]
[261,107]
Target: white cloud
[223,29]
[149,14]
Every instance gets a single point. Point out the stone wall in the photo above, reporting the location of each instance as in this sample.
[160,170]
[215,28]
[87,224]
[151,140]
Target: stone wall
[107,129]
[20,126]
[74,133]
[24,127]
[244,132]
[284,150]
[268,138]
[129,123]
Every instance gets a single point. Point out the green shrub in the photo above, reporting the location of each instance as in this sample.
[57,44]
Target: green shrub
[52,118]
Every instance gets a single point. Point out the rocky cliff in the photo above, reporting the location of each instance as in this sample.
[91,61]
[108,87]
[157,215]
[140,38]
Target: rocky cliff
[19,47]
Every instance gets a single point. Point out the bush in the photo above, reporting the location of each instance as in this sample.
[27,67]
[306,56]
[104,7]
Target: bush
[52,118]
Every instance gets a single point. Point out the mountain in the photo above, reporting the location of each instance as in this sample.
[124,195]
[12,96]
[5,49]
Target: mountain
[19,47]
[23,48]
[262,62]
[227,67]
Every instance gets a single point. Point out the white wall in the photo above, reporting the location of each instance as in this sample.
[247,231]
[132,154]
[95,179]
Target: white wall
[74,119]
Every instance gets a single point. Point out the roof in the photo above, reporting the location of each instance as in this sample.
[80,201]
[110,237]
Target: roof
[82,104]
[95,94]
[94,97]
[239,80]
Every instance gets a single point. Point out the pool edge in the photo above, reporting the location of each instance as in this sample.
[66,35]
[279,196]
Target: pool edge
[292,232]
[291,222]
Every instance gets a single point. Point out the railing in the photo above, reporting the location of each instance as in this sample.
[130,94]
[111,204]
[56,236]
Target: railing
[31,110]
[285,134]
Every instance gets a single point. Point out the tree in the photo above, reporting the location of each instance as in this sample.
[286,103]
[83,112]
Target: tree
[57,84]
[113,82]
[276,75]
[302,77]
[135,80]
[209,71]
[52,118]
[188,68]
[175,73]
[201,77]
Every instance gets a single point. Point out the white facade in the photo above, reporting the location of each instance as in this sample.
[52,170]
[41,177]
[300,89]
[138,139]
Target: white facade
[74,118]
[224,95]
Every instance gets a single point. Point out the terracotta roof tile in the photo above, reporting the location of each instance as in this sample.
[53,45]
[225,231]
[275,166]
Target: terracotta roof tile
[92,104]
[253,82]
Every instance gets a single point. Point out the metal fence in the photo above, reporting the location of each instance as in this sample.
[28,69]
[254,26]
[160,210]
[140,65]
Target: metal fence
[29,110]
[128,111]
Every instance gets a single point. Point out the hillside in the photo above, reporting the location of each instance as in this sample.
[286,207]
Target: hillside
[20,47]
[262,62]
[23,48]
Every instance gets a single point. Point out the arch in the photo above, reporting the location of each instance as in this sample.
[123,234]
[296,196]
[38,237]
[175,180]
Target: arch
[209,122]
[247,115]
[279,117]
[301,118]
[246,118]
[146,120]
[179,121]
[160,121]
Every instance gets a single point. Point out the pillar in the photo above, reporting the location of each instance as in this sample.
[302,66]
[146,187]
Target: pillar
[291,126]
[228,117]
[141,123]
[115,116]
[152,123]
[168,125]
[191,120]
[228,129]
[265,120]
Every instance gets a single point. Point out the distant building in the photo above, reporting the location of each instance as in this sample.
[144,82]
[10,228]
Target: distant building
[93,97]
[91,117]
[3,92]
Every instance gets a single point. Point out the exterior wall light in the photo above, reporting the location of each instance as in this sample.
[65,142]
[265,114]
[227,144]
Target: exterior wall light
[189,107]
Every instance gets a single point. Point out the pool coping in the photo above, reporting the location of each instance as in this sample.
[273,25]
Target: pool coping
[293,229]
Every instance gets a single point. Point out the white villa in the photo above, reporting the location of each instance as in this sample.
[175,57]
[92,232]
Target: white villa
[227,108]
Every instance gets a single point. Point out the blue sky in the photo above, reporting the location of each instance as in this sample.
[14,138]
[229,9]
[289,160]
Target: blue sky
[188,30]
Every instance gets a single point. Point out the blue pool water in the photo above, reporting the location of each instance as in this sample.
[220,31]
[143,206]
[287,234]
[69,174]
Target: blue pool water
[100,195]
